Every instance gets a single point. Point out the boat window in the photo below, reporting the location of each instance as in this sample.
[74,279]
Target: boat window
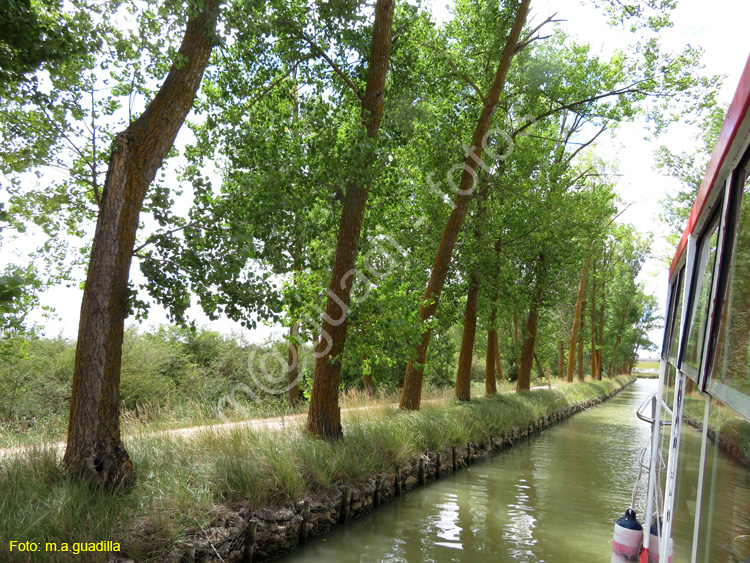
[688,478]
[724,532]
[675,315]
[730,376]
[701,304]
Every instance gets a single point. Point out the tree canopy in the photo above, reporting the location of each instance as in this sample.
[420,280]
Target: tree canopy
[374,180]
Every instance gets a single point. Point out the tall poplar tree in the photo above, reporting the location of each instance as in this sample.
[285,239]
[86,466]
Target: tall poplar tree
[411,395]
[94,446]
[324,415]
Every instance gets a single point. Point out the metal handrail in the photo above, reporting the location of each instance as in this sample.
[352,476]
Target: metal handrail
[651,399]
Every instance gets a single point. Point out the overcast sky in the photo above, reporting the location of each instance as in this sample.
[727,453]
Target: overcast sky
[721,31]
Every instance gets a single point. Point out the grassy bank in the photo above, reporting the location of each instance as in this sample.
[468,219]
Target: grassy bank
[183,486]
[646,374]
[155,417]
[174,377]
[647,365]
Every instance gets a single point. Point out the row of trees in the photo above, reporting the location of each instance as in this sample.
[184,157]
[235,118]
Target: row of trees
[379,177]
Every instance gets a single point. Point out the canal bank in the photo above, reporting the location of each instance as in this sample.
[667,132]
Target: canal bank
[241,533]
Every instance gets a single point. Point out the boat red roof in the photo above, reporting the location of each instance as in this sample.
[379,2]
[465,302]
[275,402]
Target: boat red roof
[735,116]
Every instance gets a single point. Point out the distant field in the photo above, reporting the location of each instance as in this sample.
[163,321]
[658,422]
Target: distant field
[647,365]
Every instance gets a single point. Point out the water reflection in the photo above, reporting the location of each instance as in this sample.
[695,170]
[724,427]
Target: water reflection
[553,499]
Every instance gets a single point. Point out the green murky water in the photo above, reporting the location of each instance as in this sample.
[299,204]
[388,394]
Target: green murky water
[552,499]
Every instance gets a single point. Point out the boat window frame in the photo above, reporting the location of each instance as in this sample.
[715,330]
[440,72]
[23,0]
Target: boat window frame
[714,222]
[676,289]
[711,385]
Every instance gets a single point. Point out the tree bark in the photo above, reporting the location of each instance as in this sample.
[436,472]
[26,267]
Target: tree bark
[561,359]
[293,353]
[576,323]
[581,341]
[616,358]
[498,362]
[600,351]
[293,366]
[94,447]
[324,415]
[411,395]
[367,382]
[463,377]
[468,336]
[490,387]
[492,365]
[516,347]
[527,355]
[593,323]
[539,370]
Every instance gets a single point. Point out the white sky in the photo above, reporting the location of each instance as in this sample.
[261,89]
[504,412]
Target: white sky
[721,31]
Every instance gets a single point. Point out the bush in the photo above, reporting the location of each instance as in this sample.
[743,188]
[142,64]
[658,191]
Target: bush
[36,383]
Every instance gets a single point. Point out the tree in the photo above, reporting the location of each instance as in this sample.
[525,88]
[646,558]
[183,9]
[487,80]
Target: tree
[34,34]
[324,416]
[411,394]
[584,89]
[94,447]
[57,124]
[688,169]
[576,323]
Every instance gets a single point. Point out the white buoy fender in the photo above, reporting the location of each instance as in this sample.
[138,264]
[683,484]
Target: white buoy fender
[653,545]
[628,539]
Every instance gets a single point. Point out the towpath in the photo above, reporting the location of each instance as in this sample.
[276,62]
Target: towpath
[270,423]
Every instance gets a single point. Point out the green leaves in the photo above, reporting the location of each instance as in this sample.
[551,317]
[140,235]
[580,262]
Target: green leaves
[10,290]
[32,35]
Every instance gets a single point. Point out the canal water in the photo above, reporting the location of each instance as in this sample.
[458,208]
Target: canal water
[552,499]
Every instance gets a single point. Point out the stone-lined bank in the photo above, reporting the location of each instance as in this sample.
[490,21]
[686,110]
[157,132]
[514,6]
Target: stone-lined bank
[241,534]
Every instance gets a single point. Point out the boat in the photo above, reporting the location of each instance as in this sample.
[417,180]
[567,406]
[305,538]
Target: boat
[682,508]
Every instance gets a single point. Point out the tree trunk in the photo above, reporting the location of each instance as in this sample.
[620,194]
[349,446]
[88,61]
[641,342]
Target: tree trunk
[468,336]
[94,447]
[368,384]
[576,323]
[600,350]
[498,362]
[412,392]
[492,364]
[527,356]
[516,347]
[581,341]
[463,377]
[293,353]
[292,373]
[616,358]
[539,370]
[561,359]
[492,338]
[366,371]
[490,387]
[593,323]
[324,415]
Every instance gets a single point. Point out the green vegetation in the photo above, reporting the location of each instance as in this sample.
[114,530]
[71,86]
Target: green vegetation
[175,377]
[647,365]
[373,179]
[182,483]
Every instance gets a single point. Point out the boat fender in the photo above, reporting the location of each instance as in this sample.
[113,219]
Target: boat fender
[628,539]
[653,545]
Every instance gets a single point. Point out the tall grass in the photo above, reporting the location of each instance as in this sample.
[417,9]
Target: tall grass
[173,377]
[182,484]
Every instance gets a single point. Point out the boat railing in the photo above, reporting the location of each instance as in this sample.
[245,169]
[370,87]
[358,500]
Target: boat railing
[651,401]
